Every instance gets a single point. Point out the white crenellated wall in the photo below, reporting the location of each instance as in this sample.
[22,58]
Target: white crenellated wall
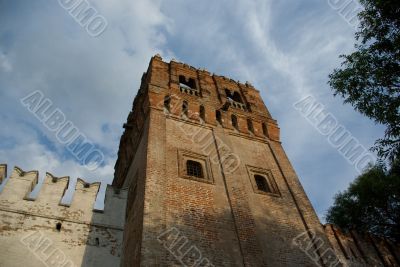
[45,232]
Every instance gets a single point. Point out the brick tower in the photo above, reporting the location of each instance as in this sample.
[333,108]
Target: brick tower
[209,182]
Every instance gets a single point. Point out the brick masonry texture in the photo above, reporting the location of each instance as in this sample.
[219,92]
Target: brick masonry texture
[157,214]
[223,214]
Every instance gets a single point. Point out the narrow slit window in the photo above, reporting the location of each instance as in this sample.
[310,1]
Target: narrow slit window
[264,128]
[218,116]
[234,122]
[167,102]
[194,168]
[202,113]
[250,125]
[261,183]
[185,108]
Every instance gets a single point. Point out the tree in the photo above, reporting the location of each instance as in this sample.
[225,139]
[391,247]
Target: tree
[369,78]
[371,203]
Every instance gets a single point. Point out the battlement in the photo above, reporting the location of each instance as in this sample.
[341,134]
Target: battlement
[24,192]
[205,71]
[201,86]
[198,96]
[51,220]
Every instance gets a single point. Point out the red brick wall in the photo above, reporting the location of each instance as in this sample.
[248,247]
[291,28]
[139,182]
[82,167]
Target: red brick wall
[222,220]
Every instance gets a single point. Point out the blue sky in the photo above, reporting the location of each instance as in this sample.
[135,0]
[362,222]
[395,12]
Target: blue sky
[286,49]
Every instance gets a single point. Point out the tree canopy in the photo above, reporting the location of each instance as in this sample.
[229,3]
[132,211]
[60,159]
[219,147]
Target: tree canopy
[369,78]
[371,203]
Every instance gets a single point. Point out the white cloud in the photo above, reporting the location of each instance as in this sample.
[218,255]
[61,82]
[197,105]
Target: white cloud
[285,48]
[4,63]
[92,80]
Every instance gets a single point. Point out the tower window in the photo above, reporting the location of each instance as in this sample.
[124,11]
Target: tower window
[250,125]
[234,122]
[167,102]
[218,116]
[188,84]
[261,183]
[228,94]
[58,226]
[202,113]
[265,130]
[185,108]
[194,168]
[236,97]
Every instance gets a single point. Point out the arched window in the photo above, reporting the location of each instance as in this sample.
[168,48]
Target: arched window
[218,116]
[185,108]
[194,168]
[167,102]
[262,184]
[236,97]
[250,125]
[234,122]
[265,130]
[202,113]
[228,94]
[190,84]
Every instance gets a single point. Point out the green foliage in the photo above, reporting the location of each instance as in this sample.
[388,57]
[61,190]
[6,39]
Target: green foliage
[371,203]
[369,78]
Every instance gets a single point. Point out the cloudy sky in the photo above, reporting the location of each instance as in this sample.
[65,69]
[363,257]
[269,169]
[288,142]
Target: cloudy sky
[285,48]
